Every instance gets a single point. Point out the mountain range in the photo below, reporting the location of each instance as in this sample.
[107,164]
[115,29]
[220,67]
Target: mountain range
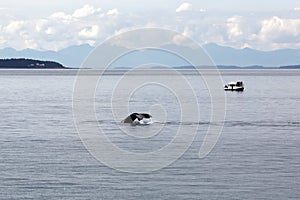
[74,56]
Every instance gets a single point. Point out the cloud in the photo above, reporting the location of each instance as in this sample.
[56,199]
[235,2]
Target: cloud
[18,34]
[90,24]
[30,43]
[14,26]
[61,16]
[184,7]
[184,39]
[113,12]
[90,32]
[50,31]
[264,34]
[85,11]
[234,28]
[297,9]
[280,30]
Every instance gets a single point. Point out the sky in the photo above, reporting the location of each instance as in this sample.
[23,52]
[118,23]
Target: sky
[54,25]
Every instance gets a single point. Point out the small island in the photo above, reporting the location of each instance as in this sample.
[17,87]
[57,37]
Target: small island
[23,63]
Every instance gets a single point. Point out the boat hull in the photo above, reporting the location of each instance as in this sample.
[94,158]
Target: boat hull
[240,89]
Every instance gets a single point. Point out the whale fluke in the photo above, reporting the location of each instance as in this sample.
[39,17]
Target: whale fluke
[138,118]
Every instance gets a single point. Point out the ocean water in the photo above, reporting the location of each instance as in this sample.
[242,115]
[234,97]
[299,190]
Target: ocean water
[256,157]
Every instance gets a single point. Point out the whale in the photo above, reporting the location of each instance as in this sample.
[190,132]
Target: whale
[138,119]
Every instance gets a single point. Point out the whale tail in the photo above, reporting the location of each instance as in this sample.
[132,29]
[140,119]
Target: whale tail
[138,118]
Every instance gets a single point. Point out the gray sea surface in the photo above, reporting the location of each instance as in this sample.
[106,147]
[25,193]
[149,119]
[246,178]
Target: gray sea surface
[257,155]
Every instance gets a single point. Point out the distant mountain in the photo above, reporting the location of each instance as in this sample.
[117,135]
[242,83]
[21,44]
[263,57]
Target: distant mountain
[71,57]
[21,63]
[235,67]
[290,67]
[250,57]
[74,56]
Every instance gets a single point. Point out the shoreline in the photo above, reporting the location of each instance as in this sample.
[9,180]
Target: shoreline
[148,72]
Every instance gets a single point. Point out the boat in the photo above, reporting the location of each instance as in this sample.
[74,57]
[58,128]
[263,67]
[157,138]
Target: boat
[234,86]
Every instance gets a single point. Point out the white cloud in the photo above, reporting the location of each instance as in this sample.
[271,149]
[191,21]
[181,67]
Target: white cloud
[85,11]
[40,25]
[184,39]
[90,32]
[280,30]
[234,28]
[184,7]
[61,16]
[113,12]
[187,32]
[31,44]
[297,9]
[14,26]
[50,31]
[18,34]
[90,25]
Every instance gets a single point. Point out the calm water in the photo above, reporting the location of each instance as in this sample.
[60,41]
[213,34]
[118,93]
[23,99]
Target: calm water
[256,157]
